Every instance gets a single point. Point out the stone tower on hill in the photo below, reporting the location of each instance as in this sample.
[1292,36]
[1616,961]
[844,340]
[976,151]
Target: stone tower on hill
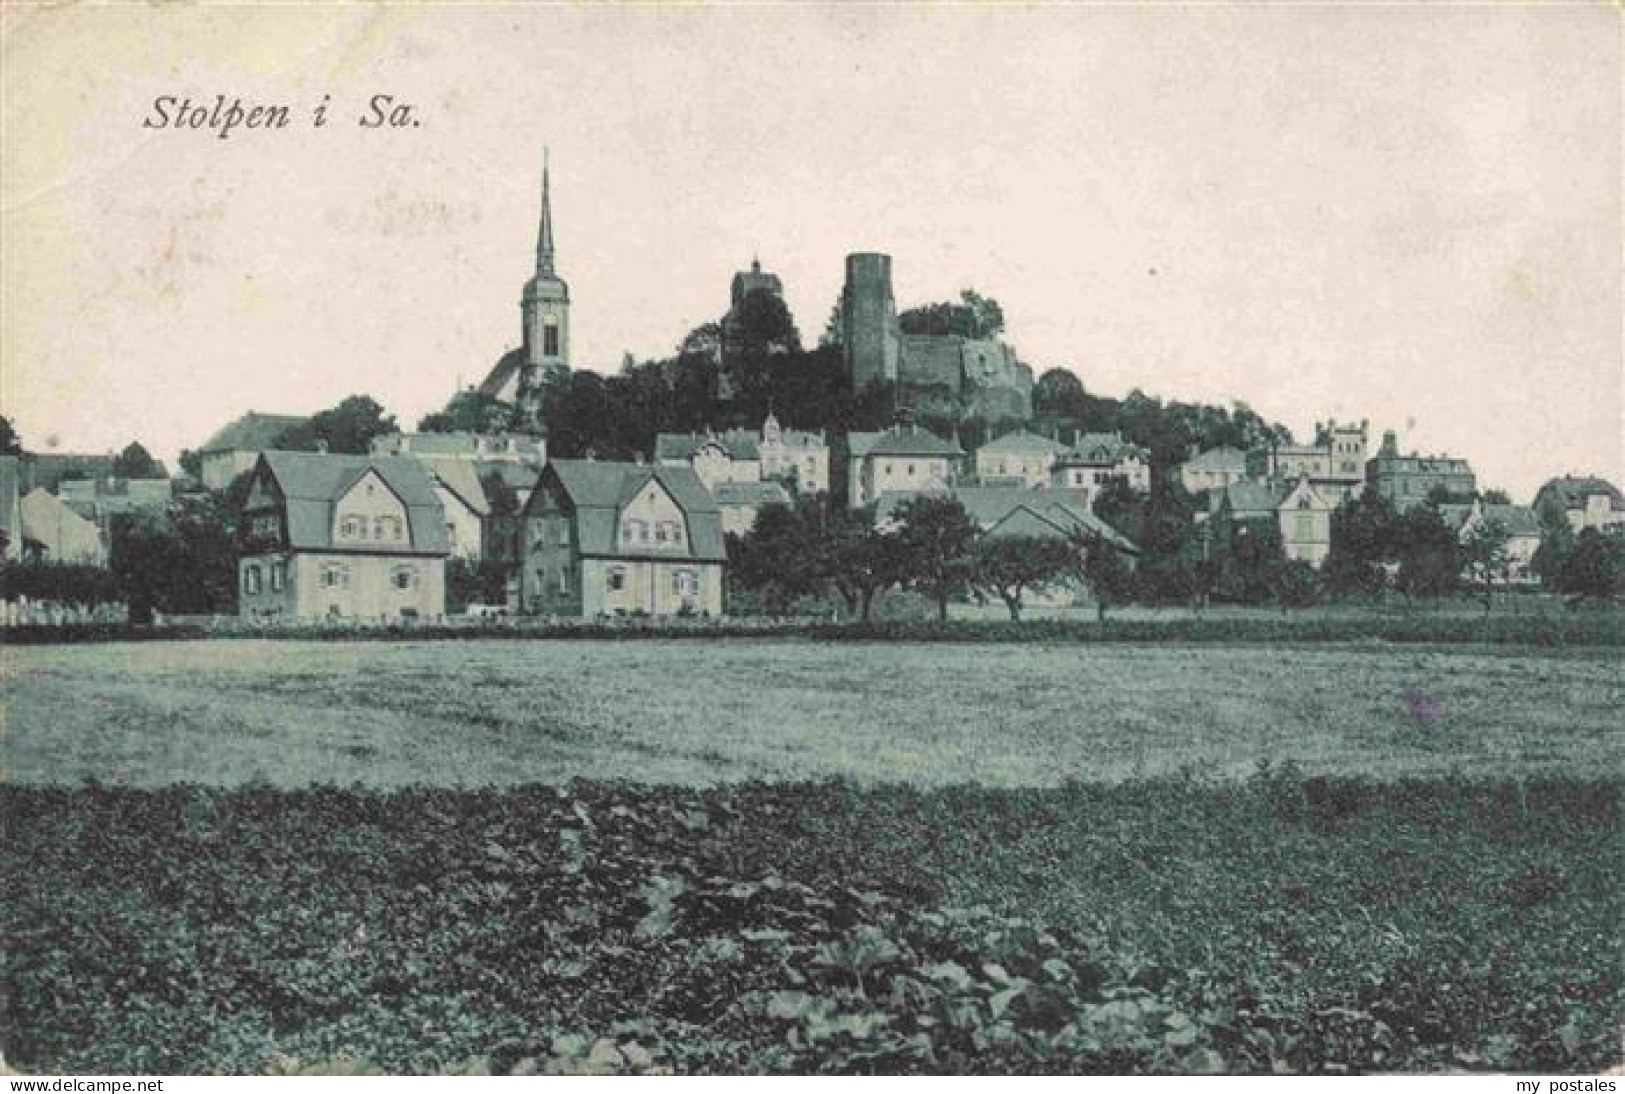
[521,376]
[935,373]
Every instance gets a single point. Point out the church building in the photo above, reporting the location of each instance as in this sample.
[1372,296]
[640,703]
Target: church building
[521,375]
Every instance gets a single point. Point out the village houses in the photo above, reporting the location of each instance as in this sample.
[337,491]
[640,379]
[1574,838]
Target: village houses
[1408,481]
[747,471]
[341,536]
[1019,458]
[903,458]
[606,538]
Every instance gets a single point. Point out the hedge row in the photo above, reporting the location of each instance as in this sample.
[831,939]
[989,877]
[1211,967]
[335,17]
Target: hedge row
[1598,627]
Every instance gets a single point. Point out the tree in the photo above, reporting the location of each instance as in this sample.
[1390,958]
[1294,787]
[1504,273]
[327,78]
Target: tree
[1429,556]
[135,462]
[469,411]
[182,561]
[1251,561]
[1296,584]
[1363,543]
[975,316]
[1595,569]
[191,462]
[1102,570]
[348,427]
[1496,497]
[862,562]
[935,536]
[782,556]
[1008,566]
[10,443]
[1058,393]
[1484,556]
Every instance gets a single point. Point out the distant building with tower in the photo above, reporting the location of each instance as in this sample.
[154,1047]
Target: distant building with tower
[521,376]
[974,377]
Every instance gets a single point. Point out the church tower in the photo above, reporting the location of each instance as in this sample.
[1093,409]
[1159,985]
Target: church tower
[545,317]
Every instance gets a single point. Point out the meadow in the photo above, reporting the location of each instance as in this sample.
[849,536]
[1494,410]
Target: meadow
[508,856]
[479,713]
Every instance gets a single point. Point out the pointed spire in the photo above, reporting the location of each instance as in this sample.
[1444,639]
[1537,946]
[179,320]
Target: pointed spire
[544,234]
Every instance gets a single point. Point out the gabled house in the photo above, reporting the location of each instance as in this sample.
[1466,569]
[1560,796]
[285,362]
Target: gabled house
[903,458]
[236,446]
[1522,528]
[462,500]
[734,456]
[604,538]
[53,532]
[1586,501]
[1093,459]
[1302,515]
[1021,458]
[1214,469]
[795,456]
[341,536]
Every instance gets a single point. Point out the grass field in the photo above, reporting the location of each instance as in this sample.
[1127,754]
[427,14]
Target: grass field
[499,713]
[1256,858]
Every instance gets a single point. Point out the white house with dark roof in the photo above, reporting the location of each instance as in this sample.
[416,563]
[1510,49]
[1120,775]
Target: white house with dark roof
[742,502]
[1214,469]
[605,538]
[1586,501]
[236,446]
[1300,511]
[341,536]
[903,458]
[794,456]
[465,445]
[1021,458]
[1093,459]
[1521,526]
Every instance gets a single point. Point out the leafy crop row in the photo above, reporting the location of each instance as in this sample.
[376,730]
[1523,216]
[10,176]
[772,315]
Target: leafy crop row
[1171,925]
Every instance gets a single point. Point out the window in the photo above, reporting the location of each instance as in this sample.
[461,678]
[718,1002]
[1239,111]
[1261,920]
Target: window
[251,580]
[335,576]
[388,528]
[1304,527]
[353,527]
[685,583]
[564,578]
[661,531]
[264,524]
[677,532]
[550,340]
[562,533]
[617,579]
[279,576]
[404,577]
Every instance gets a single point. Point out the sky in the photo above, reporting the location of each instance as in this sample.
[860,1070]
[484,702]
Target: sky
[1404,214]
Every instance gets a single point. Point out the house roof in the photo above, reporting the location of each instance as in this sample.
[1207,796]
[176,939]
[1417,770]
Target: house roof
[52,523]
[1572,491]
[464,444]
[1223,458]
[1025,443]
[1099,448]
[600,489]
[506,368]
[739,444]
[1017,511]
[901,441]
[1249,497]
[253,432]
[312,483]
[1518,520]
[461,478]
[750,493]
[47,469]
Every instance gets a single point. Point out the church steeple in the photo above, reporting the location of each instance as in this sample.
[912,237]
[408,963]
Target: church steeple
[544,233]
